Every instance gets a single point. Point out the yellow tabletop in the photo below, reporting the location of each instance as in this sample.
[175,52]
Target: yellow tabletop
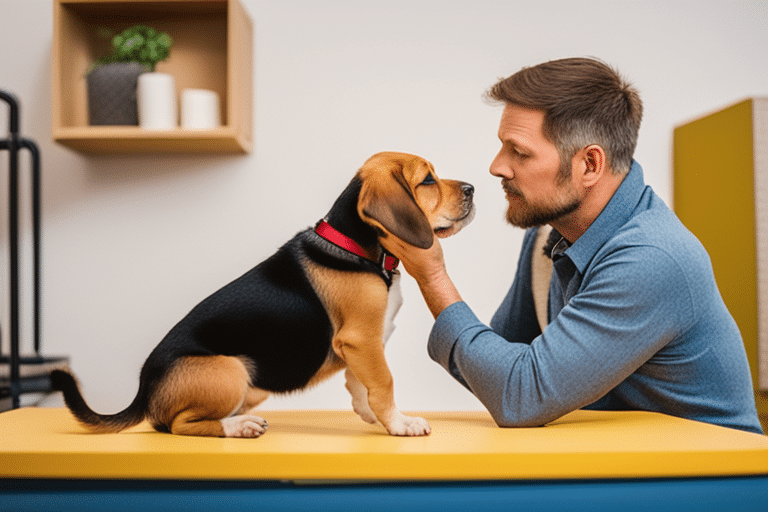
[337,445]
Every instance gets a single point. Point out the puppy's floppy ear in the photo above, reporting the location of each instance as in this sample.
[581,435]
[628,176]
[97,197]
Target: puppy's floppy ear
[388,201]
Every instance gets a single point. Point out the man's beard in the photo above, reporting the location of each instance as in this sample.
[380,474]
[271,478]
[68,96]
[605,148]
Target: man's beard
[526,215]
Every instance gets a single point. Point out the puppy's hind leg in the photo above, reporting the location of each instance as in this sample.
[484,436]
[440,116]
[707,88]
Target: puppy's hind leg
[201,396]
[244,425]
[253,398]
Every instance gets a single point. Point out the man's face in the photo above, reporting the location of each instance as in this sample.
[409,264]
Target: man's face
[531,171]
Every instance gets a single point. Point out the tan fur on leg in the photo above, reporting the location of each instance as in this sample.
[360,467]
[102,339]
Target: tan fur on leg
[201,391]
[357,304]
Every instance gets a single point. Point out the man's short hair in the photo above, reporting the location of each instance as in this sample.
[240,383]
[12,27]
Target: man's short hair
[585,102]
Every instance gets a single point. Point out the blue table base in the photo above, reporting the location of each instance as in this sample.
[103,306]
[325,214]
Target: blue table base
[647,495]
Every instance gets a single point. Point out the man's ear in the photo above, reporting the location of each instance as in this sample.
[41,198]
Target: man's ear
[388,204]
[595,164]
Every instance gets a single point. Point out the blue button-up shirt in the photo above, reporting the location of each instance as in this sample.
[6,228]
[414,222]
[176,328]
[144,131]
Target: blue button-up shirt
[635,322]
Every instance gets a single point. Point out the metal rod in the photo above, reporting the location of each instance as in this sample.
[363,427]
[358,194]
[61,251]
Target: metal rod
[36,235]
[36,179]
[13,236]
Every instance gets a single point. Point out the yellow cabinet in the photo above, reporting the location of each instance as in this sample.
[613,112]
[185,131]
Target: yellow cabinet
[721,195]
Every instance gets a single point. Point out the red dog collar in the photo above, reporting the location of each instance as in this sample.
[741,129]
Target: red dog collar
[330,233]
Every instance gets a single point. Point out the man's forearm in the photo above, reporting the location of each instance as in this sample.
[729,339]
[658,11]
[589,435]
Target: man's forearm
[427,267]
[439,292]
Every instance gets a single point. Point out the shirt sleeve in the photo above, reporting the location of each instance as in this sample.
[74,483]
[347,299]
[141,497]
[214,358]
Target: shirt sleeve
[630,304]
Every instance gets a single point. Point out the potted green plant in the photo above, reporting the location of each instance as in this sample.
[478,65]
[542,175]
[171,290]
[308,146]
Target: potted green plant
[112,80]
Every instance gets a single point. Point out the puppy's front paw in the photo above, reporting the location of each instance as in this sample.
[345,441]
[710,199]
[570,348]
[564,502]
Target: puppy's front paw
[244,426]
[364,411]
[402,425]
[359,398]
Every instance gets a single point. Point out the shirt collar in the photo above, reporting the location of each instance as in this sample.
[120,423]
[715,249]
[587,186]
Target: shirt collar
[615,214]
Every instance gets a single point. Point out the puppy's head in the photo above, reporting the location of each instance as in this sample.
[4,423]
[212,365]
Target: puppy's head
[402,196]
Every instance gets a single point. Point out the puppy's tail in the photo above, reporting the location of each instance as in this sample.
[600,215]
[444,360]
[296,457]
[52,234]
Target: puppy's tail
[66,382]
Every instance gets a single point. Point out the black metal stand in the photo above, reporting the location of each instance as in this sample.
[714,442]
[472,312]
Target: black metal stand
[34,378]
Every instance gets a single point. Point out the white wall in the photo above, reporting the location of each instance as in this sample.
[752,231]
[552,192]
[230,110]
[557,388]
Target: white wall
[131,243]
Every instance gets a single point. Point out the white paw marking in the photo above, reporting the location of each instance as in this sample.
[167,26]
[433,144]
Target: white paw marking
[402,425]
[359,397]
[364,411]
[244,426]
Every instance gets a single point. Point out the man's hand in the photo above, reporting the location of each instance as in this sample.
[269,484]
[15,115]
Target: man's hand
[427,267]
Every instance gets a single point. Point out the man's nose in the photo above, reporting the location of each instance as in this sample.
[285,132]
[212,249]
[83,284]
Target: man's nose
[500,168]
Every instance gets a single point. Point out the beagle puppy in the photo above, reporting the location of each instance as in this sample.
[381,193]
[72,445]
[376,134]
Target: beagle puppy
[322,303]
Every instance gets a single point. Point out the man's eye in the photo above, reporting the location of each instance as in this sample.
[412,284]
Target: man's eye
[429,180]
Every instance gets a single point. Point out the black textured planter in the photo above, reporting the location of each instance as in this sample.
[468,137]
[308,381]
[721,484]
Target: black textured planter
[112,93]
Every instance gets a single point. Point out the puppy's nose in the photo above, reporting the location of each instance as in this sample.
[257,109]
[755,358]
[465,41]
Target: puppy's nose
[468,190]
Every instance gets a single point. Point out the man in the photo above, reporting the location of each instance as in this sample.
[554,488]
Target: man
[634,319]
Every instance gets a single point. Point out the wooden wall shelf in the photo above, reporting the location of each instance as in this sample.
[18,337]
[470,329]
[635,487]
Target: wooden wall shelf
[213,50]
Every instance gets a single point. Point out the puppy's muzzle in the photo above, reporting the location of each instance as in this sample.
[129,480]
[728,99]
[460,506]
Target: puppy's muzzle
[466,212]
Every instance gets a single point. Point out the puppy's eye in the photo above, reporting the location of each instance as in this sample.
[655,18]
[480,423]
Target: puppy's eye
[429,180]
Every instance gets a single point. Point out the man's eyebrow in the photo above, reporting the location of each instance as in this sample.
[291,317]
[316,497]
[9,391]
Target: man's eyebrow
[516,143]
